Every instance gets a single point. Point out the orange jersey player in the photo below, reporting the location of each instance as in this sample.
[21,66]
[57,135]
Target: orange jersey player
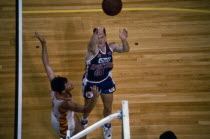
[63,115]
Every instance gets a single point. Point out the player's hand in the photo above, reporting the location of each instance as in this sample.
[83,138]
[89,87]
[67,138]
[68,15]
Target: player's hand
[100,30]
[96,92]
[123,34]
[41,39]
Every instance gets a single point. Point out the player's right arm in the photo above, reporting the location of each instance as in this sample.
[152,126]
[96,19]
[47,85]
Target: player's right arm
[81,108]
[45,60]
[92,47]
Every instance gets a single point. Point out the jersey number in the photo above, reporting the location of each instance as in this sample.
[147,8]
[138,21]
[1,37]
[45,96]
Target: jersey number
[99,72]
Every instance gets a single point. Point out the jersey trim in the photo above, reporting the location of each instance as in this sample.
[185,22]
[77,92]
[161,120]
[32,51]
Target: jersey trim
[67,98]
[109,47]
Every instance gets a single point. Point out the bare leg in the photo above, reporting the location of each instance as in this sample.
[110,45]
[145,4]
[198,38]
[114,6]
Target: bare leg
[107,101]
[85,115]
[78,126]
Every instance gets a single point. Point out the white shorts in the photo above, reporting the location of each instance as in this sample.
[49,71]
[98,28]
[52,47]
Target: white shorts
[56,124]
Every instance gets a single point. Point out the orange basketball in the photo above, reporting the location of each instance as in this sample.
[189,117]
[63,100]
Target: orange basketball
[112,7]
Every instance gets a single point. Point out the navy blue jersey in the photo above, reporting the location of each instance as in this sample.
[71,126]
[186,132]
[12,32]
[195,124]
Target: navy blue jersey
[100,65]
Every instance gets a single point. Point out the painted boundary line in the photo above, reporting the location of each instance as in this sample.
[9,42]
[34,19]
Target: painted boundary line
[124,9]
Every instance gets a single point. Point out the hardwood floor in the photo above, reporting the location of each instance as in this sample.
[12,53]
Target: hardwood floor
[165,76]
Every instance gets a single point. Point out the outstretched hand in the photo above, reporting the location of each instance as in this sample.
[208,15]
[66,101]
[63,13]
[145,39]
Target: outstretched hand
[123,34]
[99,30]
[96,92]
[41,39]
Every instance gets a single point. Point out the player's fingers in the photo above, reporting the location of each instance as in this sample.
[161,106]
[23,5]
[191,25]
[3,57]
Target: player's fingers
[101,29]
[93,88]
[98,28]
[37,34]
[126,30]
[39,37]
[120,31]
[96,89]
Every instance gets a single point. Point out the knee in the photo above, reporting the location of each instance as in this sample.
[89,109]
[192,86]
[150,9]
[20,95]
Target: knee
[108,108]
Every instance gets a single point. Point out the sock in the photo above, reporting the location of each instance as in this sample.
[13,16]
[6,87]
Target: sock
[108,125]
[84,119]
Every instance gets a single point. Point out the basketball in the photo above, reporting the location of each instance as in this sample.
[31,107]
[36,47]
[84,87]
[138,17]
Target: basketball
[112,7]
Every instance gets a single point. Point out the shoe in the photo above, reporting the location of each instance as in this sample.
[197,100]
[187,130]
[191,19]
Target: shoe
[84,122]
[107,132]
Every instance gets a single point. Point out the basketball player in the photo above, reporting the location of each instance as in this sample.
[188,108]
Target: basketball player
[99,63]
[63,107]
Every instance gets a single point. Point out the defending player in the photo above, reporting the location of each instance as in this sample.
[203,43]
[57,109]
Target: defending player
[63,115]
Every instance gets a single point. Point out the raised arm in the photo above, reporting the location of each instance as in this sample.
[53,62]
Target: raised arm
[92,47]
[123,34]
[81,108]
[48,68]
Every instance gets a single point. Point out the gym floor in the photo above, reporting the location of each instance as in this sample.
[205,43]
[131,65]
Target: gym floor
[165,76]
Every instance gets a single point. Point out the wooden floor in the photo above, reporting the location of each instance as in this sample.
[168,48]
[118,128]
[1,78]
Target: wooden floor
[165,76]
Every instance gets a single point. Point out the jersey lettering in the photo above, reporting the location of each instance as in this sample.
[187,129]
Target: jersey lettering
[104,60]
[99,67]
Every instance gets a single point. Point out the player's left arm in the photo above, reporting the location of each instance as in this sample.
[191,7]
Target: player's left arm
[48,68]
[81,108]
[123,34]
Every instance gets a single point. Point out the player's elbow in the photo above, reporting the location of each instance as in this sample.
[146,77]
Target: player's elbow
[126,50]
[86,110]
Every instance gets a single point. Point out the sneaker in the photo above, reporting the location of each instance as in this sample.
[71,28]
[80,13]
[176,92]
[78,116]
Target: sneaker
[107,132]
[84,122]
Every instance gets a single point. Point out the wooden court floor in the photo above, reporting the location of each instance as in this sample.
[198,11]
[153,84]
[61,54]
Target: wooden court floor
[165,76]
